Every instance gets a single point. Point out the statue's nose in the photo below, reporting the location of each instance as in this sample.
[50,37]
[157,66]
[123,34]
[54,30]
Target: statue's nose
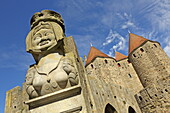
[44,38]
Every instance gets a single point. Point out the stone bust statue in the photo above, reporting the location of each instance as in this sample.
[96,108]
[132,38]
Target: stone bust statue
[53,70]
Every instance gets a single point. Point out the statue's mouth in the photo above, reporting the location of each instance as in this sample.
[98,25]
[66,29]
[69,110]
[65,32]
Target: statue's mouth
[44,42]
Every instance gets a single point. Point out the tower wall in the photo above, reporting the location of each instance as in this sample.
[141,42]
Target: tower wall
[104,67]
[15,100]
[150,62]
[129,76]
[152,66]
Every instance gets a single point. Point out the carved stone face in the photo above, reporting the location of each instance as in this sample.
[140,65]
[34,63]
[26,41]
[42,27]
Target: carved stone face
[43,40]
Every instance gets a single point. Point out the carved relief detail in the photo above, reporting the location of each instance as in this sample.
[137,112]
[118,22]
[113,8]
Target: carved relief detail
[62,76]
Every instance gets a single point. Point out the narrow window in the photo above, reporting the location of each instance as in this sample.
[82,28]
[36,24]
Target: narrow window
[155,45]
[128,61]
[118,65]
[92,66]
[77,60]
[105,61]
[130,76]
[91,105]
[134,55]
[141,49]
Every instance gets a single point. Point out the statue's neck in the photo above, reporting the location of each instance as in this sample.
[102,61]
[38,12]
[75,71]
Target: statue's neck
[50,58]
[52,51]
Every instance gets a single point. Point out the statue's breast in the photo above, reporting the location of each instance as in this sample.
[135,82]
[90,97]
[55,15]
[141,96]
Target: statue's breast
[60,76]
[51,76]
[39,80]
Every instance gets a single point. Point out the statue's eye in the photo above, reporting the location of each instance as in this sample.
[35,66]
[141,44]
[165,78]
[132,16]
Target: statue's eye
[47,33]
[36,37]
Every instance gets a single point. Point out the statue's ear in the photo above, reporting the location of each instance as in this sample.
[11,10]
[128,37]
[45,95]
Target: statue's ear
[28,42]
[58,31]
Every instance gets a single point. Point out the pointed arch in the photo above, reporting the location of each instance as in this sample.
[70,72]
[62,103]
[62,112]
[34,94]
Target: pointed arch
[110,109]
[131,110]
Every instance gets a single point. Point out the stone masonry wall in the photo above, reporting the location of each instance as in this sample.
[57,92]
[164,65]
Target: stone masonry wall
[15,99]
[69,45]
[105,85]
[129,76]
[155,98]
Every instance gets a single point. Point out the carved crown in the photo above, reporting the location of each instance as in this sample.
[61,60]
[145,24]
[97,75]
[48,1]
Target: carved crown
[47,15]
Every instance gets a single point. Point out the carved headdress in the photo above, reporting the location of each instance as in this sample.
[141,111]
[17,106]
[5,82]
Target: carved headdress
[46,19]
[47,15]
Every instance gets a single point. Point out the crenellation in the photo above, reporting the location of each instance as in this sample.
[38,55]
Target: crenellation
[155,99]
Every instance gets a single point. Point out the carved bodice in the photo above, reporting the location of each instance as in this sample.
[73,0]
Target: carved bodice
[51,76]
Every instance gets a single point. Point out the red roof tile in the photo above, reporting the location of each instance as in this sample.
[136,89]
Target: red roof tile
[119,56]
[135,41]
[94,53]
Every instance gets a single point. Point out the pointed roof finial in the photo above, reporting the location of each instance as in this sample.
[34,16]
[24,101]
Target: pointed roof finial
[129,31]
[114,49]
[135,41]
[91,44]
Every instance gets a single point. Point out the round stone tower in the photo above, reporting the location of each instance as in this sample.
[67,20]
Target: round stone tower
[149,59]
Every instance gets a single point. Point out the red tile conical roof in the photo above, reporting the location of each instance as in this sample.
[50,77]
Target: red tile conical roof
[135,41]
[119,56]
[94,53]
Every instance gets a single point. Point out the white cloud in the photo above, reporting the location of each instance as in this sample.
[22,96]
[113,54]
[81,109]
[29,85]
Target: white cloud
[109,38]
[127,20]
[127,25]
[167,49]
[117,41]
[159,15]
[147,18]
[167,45]
[111,52]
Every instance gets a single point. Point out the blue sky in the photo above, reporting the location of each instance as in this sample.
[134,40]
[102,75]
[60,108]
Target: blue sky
[104,23]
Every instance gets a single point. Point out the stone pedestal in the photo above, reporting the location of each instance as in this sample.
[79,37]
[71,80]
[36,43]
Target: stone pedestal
[69,100]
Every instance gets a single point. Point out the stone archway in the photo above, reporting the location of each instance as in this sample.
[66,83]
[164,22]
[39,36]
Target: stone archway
[131,110]
[110,109]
